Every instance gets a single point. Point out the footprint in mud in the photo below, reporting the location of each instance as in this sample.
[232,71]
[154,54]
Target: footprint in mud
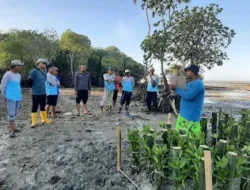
[54,179]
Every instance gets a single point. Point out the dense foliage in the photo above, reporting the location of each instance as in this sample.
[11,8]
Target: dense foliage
[66,52]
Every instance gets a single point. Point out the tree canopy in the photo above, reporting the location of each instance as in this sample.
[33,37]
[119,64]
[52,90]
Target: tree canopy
[66,52]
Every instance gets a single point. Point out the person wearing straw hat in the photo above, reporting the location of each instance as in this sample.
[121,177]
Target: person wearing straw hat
[128,84]
[11,91]
[152,89]
[37,78]
[109,87]
[192,99]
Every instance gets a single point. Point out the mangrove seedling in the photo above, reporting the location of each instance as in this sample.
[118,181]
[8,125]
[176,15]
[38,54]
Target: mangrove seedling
[134,138]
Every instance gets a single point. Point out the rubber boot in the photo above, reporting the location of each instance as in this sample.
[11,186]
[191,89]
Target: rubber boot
[44,117]
[33,120]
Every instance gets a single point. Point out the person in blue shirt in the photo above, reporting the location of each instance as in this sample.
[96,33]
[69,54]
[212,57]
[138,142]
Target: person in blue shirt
[128,84]
[11,91]
[51,86]
[152,89]
[37,78]
[192,99]
[109,87]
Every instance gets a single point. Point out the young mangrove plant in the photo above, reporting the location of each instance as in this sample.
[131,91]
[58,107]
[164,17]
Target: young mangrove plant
[160,159]
[179,167]
[134,138]
[245,179]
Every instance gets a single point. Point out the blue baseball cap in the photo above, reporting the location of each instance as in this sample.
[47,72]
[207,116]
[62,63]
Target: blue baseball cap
[110,68]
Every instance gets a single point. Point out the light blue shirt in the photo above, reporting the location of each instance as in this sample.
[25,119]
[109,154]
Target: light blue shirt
[51,85]
[128,83]
[107,77]
[192,99]
[11,87]
[150,88]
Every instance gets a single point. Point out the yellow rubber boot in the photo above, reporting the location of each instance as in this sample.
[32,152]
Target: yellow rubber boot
[44,117]
[33,120]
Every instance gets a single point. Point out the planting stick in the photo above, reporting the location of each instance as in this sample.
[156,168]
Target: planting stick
[150,141]
[208,170]
[214,122]
[169,118]
[234,133]
[221,147]
[202,185]
[232,158]
[128,178]
[245,184]
[118,148]
[248,130]
[204,126]
[176,150]
[220,113]
[226,118]
[220,129]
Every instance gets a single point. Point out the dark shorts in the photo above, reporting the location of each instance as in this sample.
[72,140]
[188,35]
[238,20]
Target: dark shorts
[115,95]
[52,100]
[82,95]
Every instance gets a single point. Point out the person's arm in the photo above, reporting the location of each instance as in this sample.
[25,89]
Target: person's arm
[57,82]
[191,92]
[4,82]
[51,79]
[122,81]
[133,82]
[32,77]
[76,82]
[89,83]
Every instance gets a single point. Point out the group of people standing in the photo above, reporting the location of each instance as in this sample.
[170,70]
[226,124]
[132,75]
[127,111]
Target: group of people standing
[45,93]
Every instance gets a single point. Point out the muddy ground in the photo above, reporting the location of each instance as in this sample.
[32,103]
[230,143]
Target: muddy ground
[78,152]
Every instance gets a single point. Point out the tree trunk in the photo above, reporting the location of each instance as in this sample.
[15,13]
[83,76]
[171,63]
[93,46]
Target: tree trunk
[165,82]
[71,58]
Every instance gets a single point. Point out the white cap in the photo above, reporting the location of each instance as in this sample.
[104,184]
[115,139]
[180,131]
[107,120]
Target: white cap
[127,71]
[16,62]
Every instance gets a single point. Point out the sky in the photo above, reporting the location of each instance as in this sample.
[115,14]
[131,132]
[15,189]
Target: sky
[123,24]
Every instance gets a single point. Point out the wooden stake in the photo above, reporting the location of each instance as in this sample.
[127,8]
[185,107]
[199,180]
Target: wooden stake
[118,148]
[208,170]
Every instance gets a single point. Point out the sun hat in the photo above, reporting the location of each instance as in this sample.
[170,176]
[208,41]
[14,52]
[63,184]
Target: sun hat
[16,63]
[41,60]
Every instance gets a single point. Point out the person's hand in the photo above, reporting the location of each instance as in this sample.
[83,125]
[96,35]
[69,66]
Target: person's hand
[173,86]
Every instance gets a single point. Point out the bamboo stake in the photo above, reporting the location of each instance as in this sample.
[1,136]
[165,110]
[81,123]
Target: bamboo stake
[208,170]
[214,122]
[118,148]
[232,158]
[221,147]
[202,185]
[234,133]
[220,129]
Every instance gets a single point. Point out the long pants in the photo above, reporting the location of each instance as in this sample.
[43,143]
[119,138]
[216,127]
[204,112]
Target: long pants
[107,97]
[38,100]
[151,96]
[126,98]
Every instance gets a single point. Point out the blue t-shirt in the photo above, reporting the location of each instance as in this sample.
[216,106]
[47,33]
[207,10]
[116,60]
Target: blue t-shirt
[128,83]
[39,77]
[155,78]
[109,86]
[192,100]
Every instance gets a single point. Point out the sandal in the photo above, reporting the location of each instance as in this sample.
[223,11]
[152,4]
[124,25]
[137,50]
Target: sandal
[88,113]
[12,135]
